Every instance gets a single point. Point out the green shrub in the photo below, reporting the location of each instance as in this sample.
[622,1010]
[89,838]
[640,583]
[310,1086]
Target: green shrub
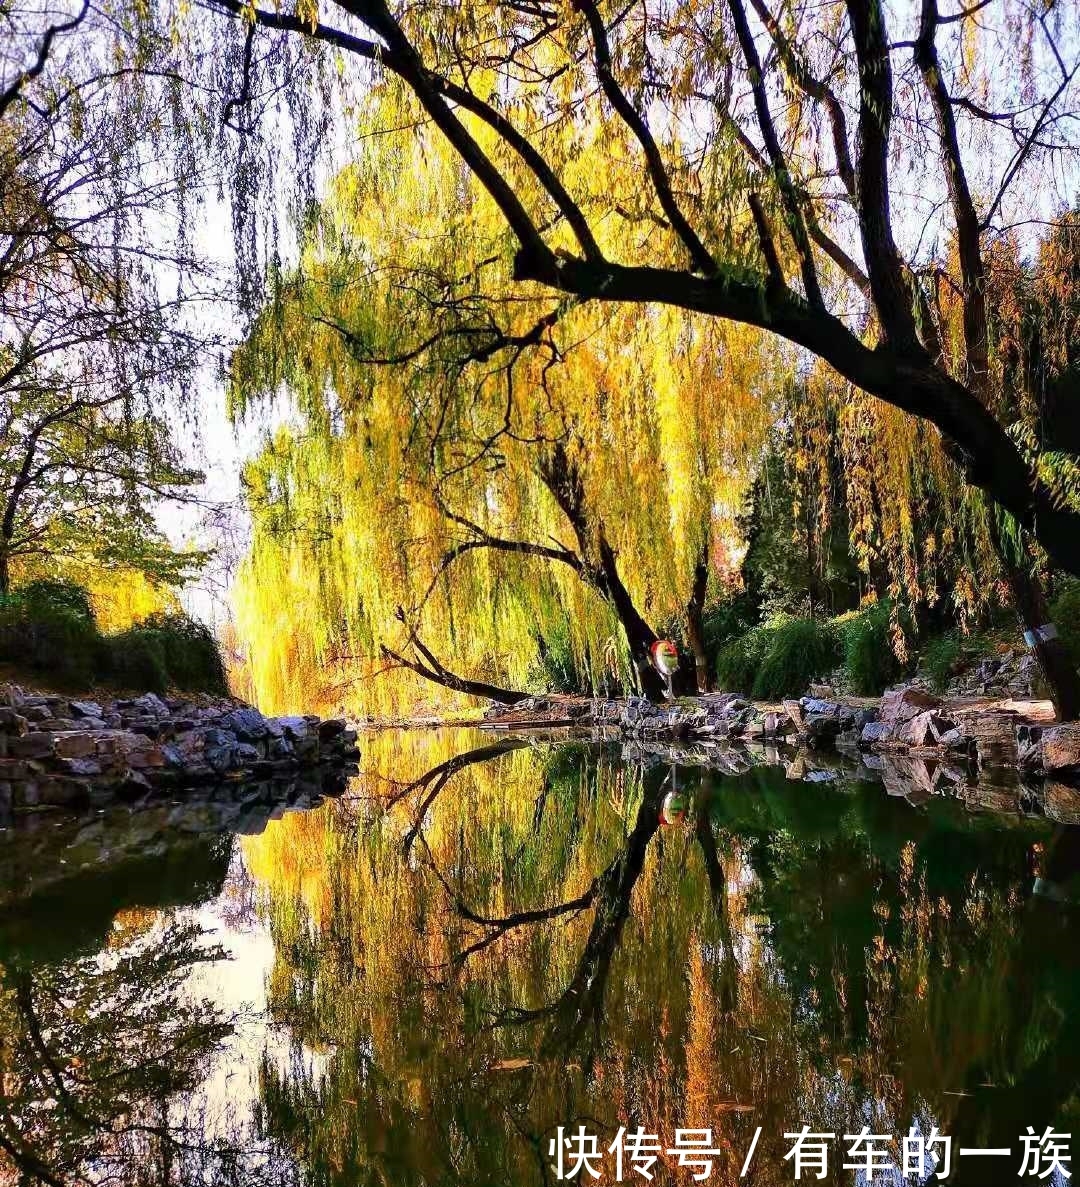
[48,627]
[785,657]
[782,659]
[729,617]
[45,596]
[167,651]
[870,663]
[939,659]
[192,656]
[736,662]
[797,652]
[136,660]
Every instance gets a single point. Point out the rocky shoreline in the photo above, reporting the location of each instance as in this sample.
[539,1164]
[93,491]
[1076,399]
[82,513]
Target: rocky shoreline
[908,720]
[62,752]
[59,752]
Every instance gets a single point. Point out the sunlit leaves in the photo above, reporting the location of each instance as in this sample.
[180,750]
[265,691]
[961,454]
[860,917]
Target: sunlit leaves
[662,413]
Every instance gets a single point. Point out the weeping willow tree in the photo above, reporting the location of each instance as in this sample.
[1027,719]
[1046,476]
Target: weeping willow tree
[776,203]
[470,477]
[839,175]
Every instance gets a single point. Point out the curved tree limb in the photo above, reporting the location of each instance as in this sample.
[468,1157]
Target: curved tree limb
[437,673]
[14,91]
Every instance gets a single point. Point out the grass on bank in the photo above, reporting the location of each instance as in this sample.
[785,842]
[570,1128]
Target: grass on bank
[48,629]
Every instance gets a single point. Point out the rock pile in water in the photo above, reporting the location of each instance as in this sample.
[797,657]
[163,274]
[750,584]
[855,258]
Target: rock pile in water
[710,717]
[58,751]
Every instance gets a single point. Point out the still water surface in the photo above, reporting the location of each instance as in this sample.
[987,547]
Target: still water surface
[420,981]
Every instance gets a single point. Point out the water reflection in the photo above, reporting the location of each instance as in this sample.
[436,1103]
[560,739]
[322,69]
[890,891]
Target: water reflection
[96,1054]
[480,942]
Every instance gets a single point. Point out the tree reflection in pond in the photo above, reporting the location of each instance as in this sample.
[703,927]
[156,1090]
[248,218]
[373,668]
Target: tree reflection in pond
[522,945]
[485,940]
[97,1053]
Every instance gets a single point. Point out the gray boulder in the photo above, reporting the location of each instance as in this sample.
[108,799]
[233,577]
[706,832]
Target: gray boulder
[214,737]
[819,708]
[151,705]
[294,727]
[875,731]
[86,709]
[248,725]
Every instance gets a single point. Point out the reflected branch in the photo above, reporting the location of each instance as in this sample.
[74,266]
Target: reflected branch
[582,1002]
[714,871]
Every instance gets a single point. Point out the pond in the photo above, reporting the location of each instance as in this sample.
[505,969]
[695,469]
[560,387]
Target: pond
[485,944]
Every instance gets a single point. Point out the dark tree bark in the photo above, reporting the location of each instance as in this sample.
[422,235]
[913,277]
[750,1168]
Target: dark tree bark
[1050,653]
[1061,675]
[729,984]
[600,566]
[695,622]
[595,562]
[432,669]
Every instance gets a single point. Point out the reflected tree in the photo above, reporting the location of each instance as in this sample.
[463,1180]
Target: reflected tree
[98,1059]
[529,948]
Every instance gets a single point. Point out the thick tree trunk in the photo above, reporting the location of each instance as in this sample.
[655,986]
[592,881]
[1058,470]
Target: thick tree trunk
[729,962]
[1029,601]
[600,568]
[639,635]
[1050,653]
[695,622]
[5,572]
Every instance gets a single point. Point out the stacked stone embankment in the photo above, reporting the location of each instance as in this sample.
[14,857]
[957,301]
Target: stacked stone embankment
[908,720]
[61,752]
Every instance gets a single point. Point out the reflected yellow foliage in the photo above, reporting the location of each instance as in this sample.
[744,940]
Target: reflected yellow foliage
[495,941]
